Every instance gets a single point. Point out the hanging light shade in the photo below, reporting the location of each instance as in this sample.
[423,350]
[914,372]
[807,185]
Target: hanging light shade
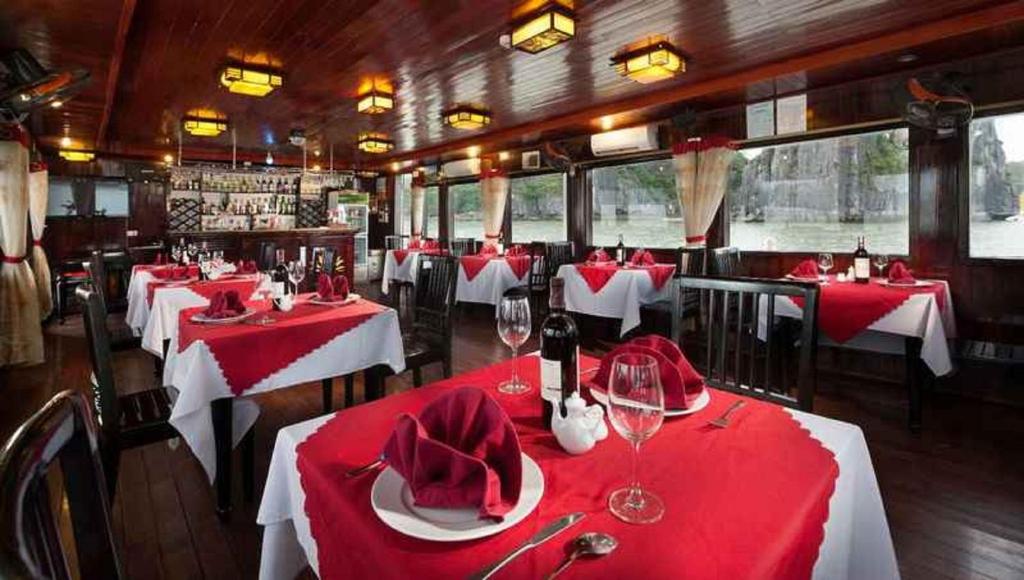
[375,143]
[77,156]
[375,102]
[543,29]
[204,127]
[250,81]
[466,117]
[650,64]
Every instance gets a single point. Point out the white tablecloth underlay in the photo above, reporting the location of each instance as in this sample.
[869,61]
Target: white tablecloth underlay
[404,272]
[162,322]
[857,544]
[488,286]
[196,376]
[621,297]
[138,309]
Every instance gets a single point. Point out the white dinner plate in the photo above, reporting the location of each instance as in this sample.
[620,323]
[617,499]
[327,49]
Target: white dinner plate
[799,279]
[702,401]
[916,284]
[202,319]
[352,297]
[392,501]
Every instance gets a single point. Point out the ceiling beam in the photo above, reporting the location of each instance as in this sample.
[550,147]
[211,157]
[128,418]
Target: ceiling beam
[962,24]
[114,71]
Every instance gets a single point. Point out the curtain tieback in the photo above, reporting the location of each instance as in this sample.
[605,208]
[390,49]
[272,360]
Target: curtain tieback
[695,239]
[37,243]
[14,259]
[492,236]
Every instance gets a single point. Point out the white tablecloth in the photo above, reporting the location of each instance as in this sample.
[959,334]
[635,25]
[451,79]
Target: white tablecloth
[920,316]
[162,319]
[138,309]
[198,380]
[404,272]
[621,297]
[488,286]
[857,544]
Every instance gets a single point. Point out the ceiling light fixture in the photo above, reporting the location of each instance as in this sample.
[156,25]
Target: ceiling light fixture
[396,166]
[473,151]
[57,104]
[77,156]
[375,101]
[252,82]
[65,142]
[466,117]
[270,158]
[652,63]
[607,123]
[543,29]
[503,156]
[168,158]
[204,126]
[375,143]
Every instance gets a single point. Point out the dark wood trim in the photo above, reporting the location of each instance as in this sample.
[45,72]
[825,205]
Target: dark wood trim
[114,71]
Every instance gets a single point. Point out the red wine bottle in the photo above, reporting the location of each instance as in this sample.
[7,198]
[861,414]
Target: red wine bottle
[559,354]
[620,253]
[861,263]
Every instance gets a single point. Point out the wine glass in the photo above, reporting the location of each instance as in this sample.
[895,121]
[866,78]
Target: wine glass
[514,327]
[265,290]
[636,407]
[881,261]
[296,273]
[825,263]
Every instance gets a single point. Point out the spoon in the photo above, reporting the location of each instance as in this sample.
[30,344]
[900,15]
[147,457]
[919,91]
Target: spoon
[588,544]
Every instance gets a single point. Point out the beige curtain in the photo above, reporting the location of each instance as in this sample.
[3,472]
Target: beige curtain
[21,335]
[417,193]
[38,192]
[702,170]
[494,186]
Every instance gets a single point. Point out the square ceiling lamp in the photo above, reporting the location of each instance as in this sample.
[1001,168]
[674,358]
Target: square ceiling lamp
[650,64]
[375,101]
[77,156]
[375,143]
[249,81]
[204,126]
[543,29]
[466,117]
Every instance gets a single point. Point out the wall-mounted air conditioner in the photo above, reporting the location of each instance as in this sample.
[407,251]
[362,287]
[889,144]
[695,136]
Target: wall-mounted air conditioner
[461,168]
[624,141]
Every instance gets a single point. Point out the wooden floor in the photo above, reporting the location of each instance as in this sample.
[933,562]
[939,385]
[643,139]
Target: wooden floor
[954,494]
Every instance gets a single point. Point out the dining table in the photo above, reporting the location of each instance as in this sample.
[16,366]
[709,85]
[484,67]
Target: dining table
[608,290]
[484,279]
[138,284]
[401,265]
[779,493]
[215,368]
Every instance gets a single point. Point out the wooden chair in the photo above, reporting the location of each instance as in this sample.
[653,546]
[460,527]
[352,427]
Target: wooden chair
[658,315]
[396,242]
[62,433]
[725,262]
[136,419]
[120,335]
[462,247]
[558,254]
[430,339]
[745,345]
[67,276]
[538,281]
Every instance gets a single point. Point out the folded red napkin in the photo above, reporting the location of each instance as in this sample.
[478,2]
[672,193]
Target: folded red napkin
[340,284]
[900,274]
[598,255]
[328,289]
[516,250]
[807,269]
[642,257]
[430,245]
[461,452]
[414,244]
[225,305]
[488,250]
[246,266]
[681,383]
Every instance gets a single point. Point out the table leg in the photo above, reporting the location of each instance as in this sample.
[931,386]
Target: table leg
[373,382]
[913,381]
[222,410]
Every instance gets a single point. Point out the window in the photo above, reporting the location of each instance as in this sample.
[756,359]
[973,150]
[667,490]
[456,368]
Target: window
[467,215]
[637,201]
[403,203]
[87,197]
[820,195]
[538,208]
[996,224]
[431,206]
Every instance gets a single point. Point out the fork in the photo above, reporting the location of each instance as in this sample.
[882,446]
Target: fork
[723,420]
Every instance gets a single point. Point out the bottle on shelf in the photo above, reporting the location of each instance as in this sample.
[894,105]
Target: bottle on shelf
[620,252]
[861,263]
[559,354]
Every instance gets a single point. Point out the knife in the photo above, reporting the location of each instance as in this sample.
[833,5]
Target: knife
[546,533]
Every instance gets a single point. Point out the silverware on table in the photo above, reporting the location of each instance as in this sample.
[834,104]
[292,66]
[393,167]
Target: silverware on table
[379,462]
[722,421]
[588,544]
[546,533]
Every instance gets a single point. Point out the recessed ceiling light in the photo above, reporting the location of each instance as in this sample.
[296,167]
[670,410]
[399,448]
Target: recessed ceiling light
[65,142]
[906,58]
[473,151]
[57,104]
[503,156]
[168,158]
[607,123]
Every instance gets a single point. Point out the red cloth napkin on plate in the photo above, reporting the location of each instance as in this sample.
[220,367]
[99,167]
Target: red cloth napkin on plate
[516,250]
[488,250]
[328,289]
[680,381]
[461,452]
[225,305]
[246,266]
[598,255]
[900,274]
[175,272]
[415,244]
[642,258]
[431,245]
[340,284]
[807,269]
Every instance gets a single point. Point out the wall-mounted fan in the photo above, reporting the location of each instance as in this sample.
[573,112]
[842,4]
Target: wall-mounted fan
[26,85]
[943,111]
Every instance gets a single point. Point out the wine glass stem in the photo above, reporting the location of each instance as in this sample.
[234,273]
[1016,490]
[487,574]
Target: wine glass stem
[515,364]
[636,498]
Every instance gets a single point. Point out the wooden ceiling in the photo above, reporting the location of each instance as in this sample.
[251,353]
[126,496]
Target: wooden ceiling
[153,61]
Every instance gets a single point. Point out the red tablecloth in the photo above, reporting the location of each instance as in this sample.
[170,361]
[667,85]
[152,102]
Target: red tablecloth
[749,501]
[847,309]
[163,271]
[400,256]
[473,265]
[248,353]
[597,275]
[520,265]
[245,286]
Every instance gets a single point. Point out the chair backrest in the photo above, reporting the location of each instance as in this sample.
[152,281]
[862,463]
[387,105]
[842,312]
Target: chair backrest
[746,347]
[98,273]
[725,262]
[558,254]
[102,363]
[267,257]
[692,261]
[395,242]
[63,431]
[538,266]
[323,262]
[434,298]
[462,247]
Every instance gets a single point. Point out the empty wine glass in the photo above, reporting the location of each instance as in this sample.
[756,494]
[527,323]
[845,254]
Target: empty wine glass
[514,327]
[825,263]
[881,261]
[296,273]
[265,290]
[636,407]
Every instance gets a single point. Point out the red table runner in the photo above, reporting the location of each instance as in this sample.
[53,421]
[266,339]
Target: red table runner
[244,286]
[520,265]
[163,271]
[473,265]
[248,353]
[598,275]
[718,523]
[400,256]
[847,309]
